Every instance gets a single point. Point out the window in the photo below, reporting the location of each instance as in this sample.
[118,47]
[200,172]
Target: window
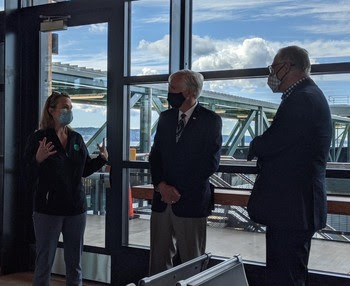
[239,34]
[74,61]
[233,42]
[149,37]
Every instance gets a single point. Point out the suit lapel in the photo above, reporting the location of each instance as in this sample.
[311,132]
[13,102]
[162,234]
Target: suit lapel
[173,125]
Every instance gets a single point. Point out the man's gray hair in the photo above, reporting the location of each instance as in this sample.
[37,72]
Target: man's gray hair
[297,56]
[193,80]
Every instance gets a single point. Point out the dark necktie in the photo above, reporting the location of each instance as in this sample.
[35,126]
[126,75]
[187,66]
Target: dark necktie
[180,126]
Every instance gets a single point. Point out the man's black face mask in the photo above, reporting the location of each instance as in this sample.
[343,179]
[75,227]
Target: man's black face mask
[175,99]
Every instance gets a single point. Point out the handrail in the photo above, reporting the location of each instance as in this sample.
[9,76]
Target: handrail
[238,197]
[333,170]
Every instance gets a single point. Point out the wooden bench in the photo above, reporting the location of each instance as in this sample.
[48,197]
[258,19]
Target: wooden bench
[237,197]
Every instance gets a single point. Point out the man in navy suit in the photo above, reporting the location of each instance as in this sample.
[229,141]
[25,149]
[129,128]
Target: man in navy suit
[292,155]
[185,153]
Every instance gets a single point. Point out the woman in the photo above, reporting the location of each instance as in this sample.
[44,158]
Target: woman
[56,160]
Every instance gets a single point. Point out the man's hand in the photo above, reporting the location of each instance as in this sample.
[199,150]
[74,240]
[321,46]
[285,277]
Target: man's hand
[170,194]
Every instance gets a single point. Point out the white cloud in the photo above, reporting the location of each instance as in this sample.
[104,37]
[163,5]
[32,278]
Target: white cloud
[331,17]
[326,48]
[98,28]
[90,108]
[148,71]
[159,47]
[160,12]
[157,3]
[202,45]
[233,54]
[222,54]
[226,10]
[257,52]
[160,18]
[151,57]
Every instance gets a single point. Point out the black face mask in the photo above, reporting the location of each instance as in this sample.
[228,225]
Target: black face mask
[176,99]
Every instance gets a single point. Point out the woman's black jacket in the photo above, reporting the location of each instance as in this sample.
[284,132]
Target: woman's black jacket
[56,182]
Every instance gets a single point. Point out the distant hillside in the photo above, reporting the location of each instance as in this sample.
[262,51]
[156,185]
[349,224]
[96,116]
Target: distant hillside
[88,132]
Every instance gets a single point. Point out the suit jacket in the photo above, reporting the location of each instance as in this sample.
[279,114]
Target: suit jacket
[292,155]
[187,164]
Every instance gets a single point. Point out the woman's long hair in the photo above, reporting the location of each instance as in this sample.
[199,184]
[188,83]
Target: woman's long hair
[47,120]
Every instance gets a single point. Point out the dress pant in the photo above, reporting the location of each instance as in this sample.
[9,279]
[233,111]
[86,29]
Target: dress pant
[47,231]
[171,235]
[287,257]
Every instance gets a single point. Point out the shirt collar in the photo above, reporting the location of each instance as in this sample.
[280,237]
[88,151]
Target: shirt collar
[188,112]
[290,89]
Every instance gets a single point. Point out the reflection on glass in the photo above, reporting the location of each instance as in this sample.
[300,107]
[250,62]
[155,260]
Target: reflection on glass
[71,63]
[150,37]
[239,34]
[146,103]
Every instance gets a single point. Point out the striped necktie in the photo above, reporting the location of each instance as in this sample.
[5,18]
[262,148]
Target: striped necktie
[180,126]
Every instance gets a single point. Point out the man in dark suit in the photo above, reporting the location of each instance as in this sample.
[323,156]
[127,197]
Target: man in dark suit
[292,155]
[185,153]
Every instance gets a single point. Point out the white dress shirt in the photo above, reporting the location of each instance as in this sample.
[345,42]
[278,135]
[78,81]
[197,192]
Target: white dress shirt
[188,113]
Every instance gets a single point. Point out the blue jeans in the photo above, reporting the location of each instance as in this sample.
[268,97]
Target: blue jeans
[47,231]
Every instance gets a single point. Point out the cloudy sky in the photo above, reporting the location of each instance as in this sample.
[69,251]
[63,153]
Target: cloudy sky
[226,35]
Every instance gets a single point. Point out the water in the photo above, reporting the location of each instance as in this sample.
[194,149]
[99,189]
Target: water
[88,132]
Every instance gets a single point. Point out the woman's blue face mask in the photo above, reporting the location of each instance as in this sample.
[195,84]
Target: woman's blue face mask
[66,116]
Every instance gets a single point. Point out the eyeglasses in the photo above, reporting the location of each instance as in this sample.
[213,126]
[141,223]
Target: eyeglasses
[272,67]
[52,99]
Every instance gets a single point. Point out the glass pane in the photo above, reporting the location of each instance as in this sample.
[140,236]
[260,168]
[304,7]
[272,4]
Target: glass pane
[246,34]
[246,104]
[150,37]
[140,208]
[335,186]
[229,228]
[247,108]
[26,3]
[71,63]
[146,102]
[2,7]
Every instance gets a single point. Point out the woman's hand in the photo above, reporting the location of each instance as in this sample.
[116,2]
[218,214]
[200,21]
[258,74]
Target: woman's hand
[103,150]
[44,151]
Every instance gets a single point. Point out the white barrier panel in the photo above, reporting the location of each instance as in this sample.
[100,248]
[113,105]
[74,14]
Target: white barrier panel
[183,271]
[227,273]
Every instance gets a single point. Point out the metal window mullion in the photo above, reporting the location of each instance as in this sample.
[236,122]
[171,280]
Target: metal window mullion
[187,35]
[348,147]
[180,34]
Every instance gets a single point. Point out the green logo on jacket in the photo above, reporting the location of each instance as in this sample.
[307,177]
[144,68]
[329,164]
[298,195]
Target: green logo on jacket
[76,147]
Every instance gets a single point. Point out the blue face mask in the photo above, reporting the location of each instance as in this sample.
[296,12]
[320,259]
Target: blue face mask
[66,116]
